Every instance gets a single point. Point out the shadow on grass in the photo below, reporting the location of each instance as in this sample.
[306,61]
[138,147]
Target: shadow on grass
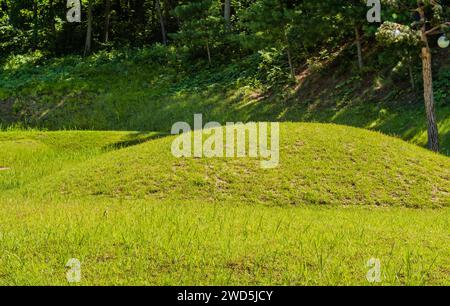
[136,138]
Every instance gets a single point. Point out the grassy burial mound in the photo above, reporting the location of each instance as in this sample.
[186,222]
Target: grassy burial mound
[320,164]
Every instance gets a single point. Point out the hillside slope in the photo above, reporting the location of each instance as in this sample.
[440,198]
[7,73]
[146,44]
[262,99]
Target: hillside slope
[143,91]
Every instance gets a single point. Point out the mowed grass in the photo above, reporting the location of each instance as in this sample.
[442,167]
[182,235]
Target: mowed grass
[133,214]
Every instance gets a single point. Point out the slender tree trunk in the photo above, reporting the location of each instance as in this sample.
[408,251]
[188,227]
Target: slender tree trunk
[358,47]
[227,14]
[289,55]
[107,18]
[291,66]
[411,76]
[161,21]
[130,14]
[433,135]
[209,52]
[87,46]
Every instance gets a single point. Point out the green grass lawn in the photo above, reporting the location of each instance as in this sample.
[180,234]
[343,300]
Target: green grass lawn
[147,242]
[133,214]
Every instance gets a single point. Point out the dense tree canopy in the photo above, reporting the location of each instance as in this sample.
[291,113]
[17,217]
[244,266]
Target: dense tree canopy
[298,27]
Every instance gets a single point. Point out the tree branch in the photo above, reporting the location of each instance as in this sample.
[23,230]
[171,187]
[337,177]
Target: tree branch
[432,31]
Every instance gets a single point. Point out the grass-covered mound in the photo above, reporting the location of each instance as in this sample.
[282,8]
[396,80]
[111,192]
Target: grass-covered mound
[133,214]
[319,164]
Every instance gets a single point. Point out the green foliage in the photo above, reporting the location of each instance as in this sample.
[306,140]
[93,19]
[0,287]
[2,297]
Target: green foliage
[391,33]
[442,88]
[268,12]
[272,70]
[202,25]
[119,88]
[147,89]
[11,38]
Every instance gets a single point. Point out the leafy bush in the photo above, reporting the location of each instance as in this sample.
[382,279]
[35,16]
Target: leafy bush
[272,70]
[12,40]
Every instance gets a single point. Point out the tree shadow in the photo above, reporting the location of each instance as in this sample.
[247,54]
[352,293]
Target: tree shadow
[136,138]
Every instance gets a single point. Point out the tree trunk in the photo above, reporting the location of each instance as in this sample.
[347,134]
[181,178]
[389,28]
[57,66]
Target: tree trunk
[289,55]
[129,13]
[227,14]
[411,76]
[291,66]
[209,52]
[169,5]
[107,18]
[358,47]
[161,21]
[87,46]
[433,135]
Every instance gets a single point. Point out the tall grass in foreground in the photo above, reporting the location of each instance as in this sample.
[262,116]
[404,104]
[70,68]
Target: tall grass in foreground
[167,243]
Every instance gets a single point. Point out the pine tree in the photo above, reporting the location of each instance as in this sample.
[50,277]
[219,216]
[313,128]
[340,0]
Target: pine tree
[202,25]
[270,22]
[429,19]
